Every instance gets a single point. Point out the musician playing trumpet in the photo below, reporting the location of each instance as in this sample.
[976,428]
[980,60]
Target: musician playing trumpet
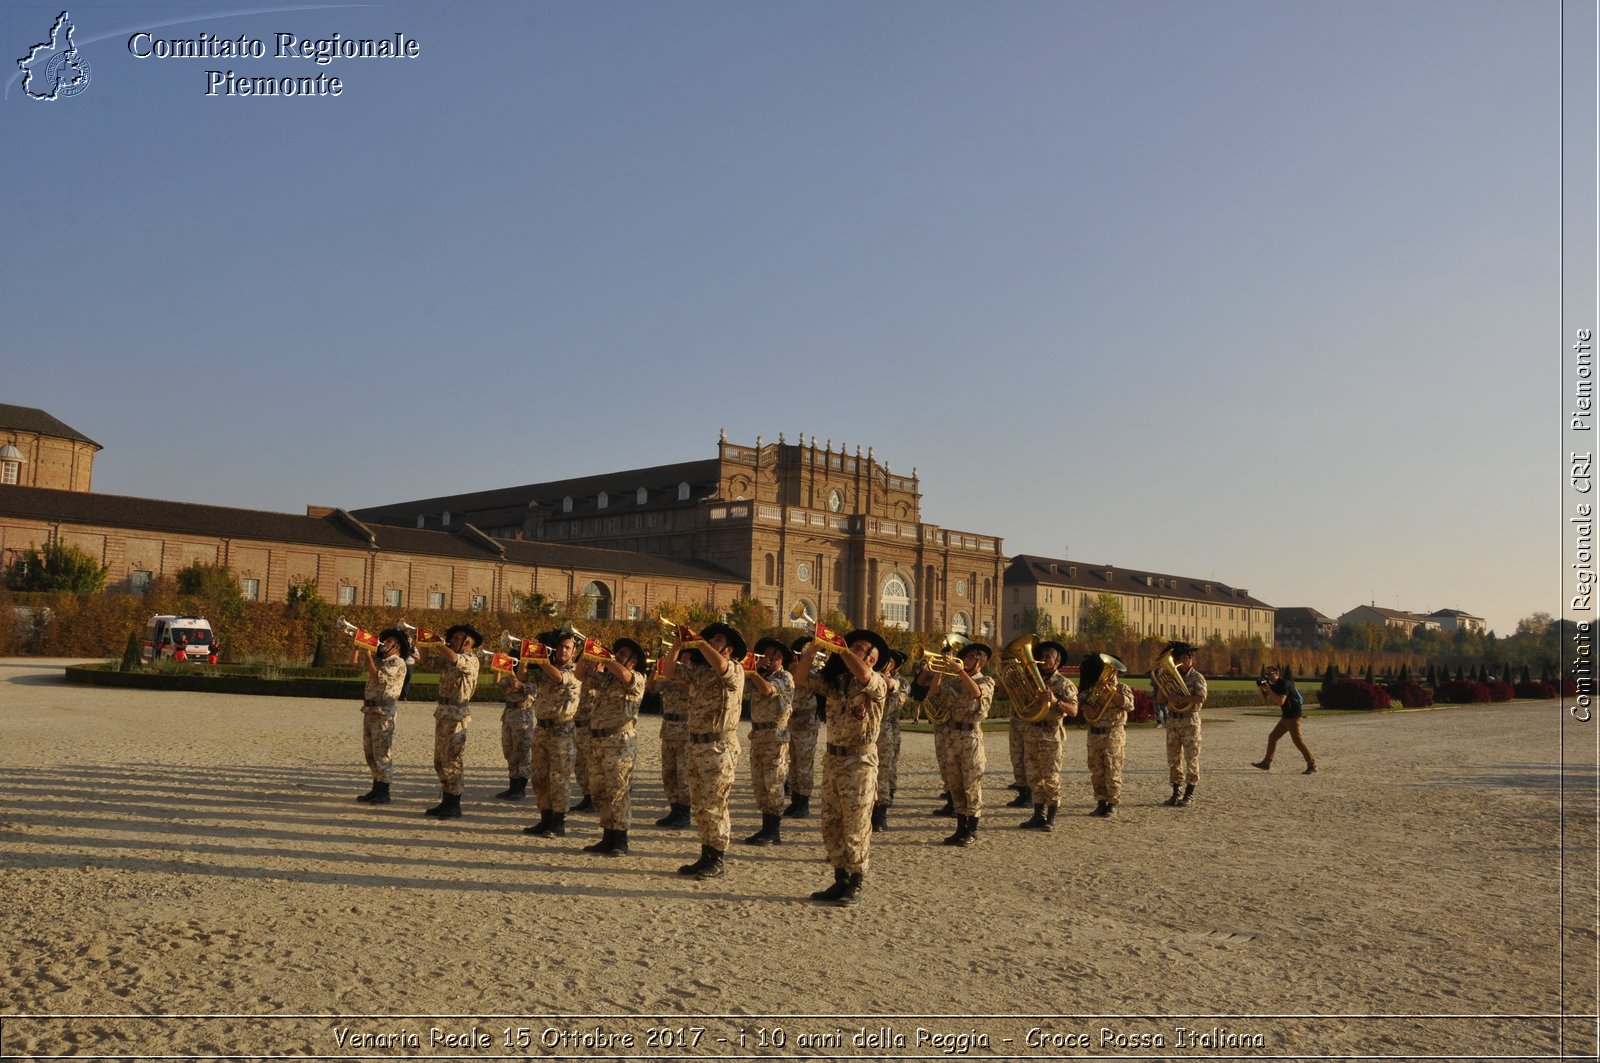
[1043,739]
[1105,704]
[556,690]
[386,673]
[963,700]
[772,697]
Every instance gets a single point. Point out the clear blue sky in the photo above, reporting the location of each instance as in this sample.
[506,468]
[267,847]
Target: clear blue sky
[1262,291]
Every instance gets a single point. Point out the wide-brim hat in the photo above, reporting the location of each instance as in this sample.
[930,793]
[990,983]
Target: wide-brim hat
[557,637]
[467,629]
[401,643]
[798,646]
[868,635]
[1179,649]
[632,646]
[729,632]
[763,645]
[899,658]
[1040,647]
[975,647]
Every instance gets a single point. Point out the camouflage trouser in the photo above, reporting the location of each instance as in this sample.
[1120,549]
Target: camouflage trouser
[675,770]
[1018,739]
[580,741]
[711,769]
[769,764]
[553,756]
[1183,742]
[803,728]
[848,786]
[888,759]
[377,739]
[1044,747]
[1106,754]
[516,741]
[449,742]
[967,760]
[611,776]
[941,754]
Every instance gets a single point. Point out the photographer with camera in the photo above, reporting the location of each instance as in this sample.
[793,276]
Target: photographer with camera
[1277,688]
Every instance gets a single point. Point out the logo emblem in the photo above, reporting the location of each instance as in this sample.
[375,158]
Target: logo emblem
[55,69]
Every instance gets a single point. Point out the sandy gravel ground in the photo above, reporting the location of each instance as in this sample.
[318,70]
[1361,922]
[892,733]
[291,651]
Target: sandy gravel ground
[189,874]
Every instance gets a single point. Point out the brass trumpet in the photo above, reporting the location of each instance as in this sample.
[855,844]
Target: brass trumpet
[935,663]
[825,638]
[364,639]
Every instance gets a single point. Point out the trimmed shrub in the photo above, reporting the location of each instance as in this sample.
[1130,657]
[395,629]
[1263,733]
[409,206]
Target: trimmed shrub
[1144,707]
[1352,694]
[1534,689]
[1462,692]
[1410,694]
[1500,690]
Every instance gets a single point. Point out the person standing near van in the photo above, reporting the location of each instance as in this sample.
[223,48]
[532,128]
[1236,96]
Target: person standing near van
[386,674]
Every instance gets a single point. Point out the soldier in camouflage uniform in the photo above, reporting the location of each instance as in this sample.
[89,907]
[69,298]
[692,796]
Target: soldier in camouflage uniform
[1043,740]
[386,676]
[516,732]
[804,726]
[580,742]
[964,699]
[556,690]
[616,687]
[855,694]
[1105,704]
[713,694]
[771,706]
[1183,727]
[1016,741]
[674,751]
[889,737]
[458,680]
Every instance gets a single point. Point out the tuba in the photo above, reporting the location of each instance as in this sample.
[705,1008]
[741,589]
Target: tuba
[1102,702]
[1168,681]
[1019,674]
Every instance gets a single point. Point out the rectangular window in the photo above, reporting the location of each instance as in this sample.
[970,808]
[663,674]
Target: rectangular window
[347,594]
[250,588]
[436,599]
[8,472]
[139,581]
[633,612]
[478,603]
[392,597]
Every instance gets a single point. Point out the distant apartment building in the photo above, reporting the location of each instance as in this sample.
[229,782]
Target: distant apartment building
[1155,604]
[1453,620]
[1381,617]
[1302,627]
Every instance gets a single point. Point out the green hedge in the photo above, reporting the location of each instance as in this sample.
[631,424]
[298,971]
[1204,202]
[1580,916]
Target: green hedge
[258,680]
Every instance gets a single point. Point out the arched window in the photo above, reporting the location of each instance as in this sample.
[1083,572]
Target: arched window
[896,599]
[961,624]
[603,501]
[641,496]
[445,518]
[566,504]
[683,492]
[772,570]
[988,631]
[597,601]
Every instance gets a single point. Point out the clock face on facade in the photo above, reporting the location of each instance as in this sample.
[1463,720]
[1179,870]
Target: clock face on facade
[961,588]
[803,570]
[836,500]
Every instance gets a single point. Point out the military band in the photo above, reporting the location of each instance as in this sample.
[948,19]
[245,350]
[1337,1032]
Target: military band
[712,680]
[458,681]
[772,697]
[889,738]
[1044,738]
[616,687]
[962,699]
[556,692]
[386,676]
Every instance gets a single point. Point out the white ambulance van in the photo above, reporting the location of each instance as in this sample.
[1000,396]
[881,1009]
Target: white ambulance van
[179,638]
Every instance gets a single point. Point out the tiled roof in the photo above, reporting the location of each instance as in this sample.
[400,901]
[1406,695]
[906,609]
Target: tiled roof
[1030,568]
[336,529]
[28,419]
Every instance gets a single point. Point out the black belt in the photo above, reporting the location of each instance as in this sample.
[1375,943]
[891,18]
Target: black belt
[1099,730]
[377,704]
[674,717]
[961,726]
[763,726]
[705,740]
[454,704]
[607,732]
[554,724]
[846,751]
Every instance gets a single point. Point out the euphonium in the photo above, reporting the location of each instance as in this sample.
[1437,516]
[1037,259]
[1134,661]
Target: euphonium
[1169,681]
[1019,674]
[1101,702]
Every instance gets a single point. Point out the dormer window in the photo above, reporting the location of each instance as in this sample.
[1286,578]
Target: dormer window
[566,504]
[10,464]
[421,520]
[683,492]
[641,496]
[603,501]
[445,518]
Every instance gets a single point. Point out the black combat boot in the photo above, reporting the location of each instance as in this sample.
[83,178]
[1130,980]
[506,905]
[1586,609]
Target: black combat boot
[619,843]
[880,818]
[1050,813]
[799,807]
[452,807]
[558,825]
[586,805]
[771,824]
[604,844]
[541,828]
[378,795]
[1173,800]
[677,817]
[1023,799]
[516,791]
[852,891]
[1188,795]
[714,866]
[438,809]
[841,882]
[1101,808]
[971,837]
[948,808]
[1038,822]
[960,836]
[700,864]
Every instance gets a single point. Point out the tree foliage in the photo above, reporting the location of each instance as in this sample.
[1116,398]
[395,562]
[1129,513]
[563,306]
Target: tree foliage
[1105,620]
[57,567]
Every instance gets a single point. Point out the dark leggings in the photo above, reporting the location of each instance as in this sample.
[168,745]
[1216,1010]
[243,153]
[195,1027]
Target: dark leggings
[1289,725]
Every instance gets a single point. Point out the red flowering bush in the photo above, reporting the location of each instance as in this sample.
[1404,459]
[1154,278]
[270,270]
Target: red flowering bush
[1461,692]
[1536,690]
[1352,694]
[1500,690]
[1411,694]
[1144,707]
